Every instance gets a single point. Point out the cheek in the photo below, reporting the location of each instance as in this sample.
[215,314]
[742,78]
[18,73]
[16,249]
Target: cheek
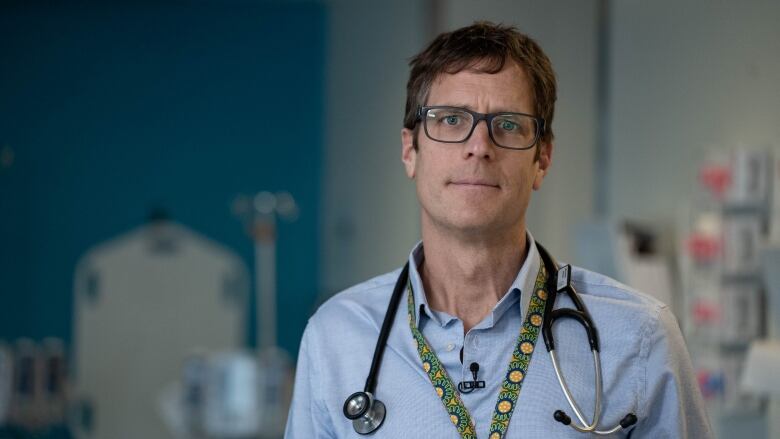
[522,177]
[426,177]
[522,183]
[430,178]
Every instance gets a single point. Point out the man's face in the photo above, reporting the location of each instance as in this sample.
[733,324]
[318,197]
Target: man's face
[476,186]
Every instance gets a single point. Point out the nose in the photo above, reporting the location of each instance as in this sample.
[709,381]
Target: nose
[480,144]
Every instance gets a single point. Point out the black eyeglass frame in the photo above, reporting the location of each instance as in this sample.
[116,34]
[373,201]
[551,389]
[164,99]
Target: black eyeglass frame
[477,117]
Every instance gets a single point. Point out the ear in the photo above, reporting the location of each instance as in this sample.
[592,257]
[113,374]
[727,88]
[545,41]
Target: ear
[544,162]
[408,152]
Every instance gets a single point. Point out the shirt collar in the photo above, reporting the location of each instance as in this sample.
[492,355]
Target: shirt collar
[521,288]
[416,258]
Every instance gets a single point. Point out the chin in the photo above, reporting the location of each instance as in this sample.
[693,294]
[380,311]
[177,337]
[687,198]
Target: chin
[467,221]
[473,226]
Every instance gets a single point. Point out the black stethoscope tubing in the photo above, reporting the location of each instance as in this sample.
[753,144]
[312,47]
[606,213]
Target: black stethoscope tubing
[368,413]
[387,325]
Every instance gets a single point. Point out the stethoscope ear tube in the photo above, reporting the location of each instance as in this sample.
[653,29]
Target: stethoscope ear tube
[580,313]
[590,329]
[583,317]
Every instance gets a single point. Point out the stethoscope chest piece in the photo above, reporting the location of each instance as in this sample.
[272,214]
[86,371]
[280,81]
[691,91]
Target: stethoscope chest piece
[366,412]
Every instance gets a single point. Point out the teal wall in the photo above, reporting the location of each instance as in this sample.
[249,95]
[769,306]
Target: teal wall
[114,108]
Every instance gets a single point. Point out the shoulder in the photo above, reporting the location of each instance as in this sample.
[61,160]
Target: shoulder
[633,323]
[597,287]
[625,310]
[361,304]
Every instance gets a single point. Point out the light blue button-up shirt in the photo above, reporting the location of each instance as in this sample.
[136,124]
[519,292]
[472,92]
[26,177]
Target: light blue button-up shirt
[646,367]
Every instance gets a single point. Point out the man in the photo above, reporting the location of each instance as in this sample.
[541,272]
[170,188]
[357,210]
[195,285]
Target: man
[460,357]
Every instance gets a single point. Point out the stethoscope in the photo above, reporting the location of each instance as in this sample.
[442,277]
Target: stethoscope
[368,413]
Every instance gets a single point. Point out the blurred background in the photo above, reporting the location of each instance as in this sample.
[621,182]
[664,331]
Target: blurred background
[182,183]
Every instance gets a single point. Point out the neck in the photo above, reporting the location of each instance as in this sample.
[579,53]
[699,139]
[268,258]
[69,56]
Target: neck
[467,277]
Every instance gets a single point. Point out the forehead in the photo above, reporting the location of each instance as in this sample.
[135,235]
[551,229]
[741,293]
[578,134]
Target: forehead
[507,90]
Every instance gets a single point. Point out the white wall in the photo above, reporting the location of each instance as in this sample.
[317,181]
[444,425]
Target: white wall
[370,219]
[685,78]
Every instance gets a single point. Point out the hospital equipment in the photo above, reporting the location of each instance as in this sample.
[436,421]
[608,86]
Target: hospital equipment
[240,393]
[232,402]
[33,386]
[141,303]
[367,413]
[727,225]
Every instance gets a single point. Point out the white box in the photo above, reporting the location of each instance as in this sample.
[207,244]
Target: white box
[750,177]
[741,244]
[742,314]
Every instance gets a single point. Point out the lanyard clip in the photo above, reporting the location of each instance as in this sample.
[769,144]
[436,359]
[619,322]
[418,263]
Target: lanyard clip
[564,278]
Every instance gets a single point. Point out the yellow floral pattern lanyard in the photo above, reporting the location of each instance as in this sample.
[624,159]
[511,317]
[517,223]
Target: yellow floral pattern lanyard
[513,381]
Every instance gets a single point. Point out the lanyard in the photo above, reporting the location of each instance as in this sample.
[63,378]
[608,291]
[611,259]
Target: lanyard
[516,371]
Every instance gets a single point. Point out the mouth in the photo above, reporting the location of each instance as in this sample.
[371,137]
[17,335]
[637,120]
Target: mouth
[474,183]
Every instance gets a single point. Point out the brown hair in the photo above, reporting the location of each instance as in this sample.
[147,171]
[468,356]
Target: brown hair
[483,46]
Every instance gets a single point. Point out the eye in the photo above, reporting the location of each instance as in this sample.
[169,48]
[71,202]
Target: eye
[451,119]
[507,125]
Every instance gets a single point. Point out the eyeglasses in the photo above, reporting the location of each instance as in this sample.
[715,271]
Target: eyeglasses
[455,125]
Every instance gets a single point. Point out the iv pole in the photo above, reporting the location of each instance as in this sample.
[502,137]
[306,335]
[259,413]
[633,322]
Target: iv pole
[259,214]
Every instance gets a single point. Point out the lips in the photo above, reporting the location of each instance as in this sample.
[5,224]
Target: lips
[466,182]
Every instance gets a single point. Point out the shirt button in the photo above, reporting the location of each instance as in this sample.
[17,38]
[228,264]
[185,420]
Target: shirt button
[450,347]
[475,342]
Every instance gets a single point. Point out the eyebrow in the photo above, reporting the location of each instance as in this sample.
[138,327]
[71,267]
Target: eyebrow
[469,107]
[466,106]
